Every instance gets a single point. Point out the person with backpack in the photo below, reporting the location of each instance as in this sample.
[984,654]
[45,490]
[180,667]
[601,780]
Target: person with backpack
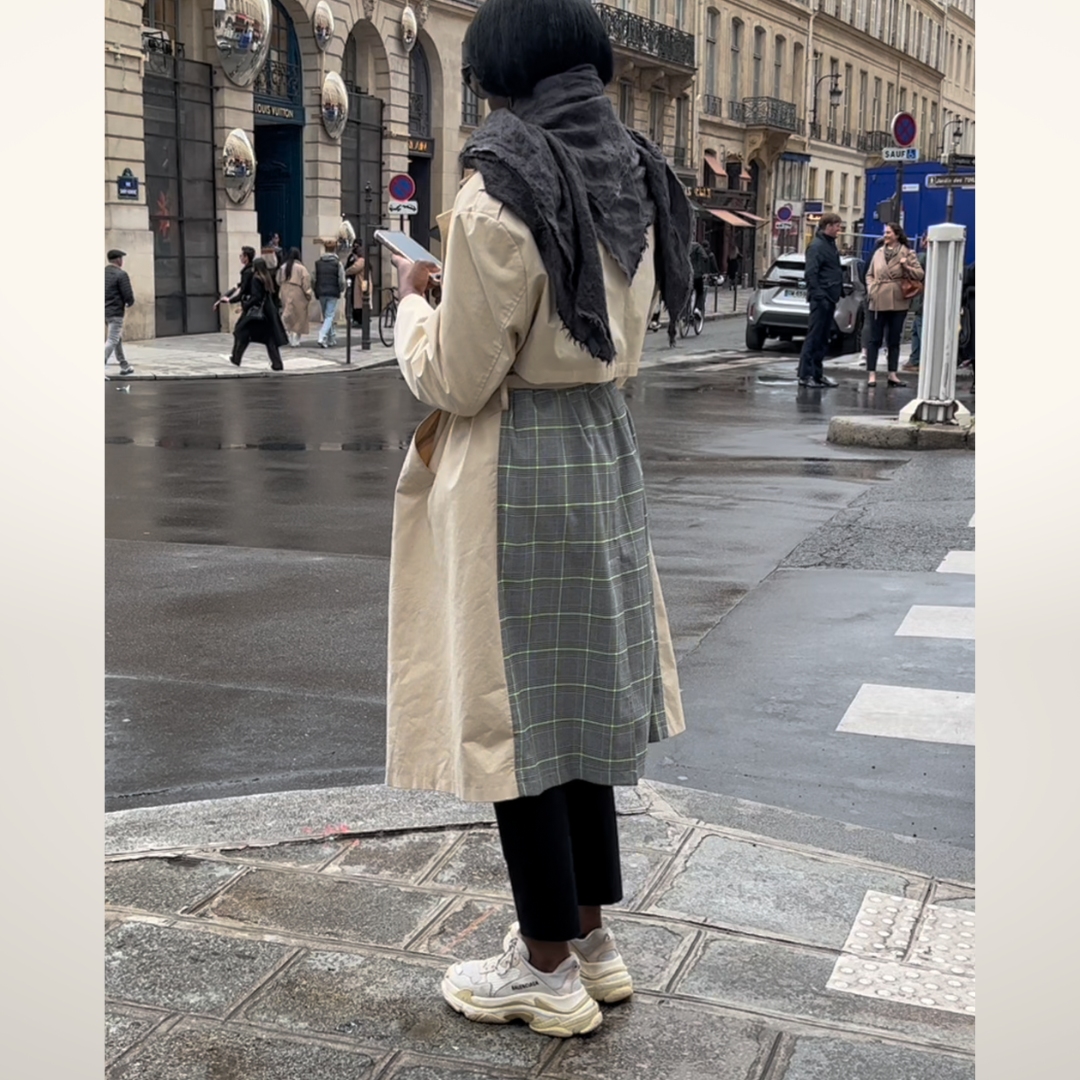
[329,289]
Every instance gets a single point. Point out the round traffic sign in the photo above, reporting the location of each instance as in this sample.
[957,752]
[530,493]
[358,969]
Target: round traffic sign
[904,129]
[784,213]
[401,187]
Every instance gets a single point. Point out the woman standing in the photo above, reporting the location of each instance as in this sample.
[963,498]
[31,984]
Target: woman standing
[530,660]
[893,264]
[294,284]
[356,272]
[261,320]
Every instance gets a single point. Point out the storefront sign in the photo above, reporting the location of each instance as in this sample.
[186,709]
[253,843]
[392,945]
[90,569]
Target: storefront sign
[278,112]
[422,147]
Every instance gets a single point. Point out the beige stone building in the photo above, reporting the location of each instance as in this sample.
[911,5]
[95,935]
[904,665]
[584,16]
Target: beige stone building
[737,94]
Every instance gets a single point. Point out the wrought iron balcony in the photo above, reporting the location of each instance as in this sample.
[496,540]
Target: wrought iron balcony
[712,106]
[279,80]
[830,134]
[736,110]
[643,35]
[419,116]
[845,137]
[872,142]
[800,127]
[769,112]
[815,130]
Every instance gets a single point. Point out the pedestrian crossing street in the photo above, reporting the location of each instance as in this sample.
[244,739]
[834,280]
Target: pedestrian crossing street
[905,712]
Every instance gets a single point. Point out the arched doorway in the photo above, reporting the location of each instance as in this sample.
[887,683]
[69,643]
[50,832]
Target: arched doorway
[421,144]
[279,131]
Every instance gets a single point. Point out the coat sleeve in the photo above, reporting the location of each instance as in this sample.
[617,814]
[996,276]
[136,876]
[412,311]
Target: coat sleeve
[813,267]
[455,356]
[126,291]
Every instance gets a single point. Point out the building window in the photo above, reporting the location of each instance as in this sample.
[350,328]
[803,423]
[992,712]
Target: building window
[626,102]
[811,184]
[419,93]
[798,76]
[967,70]
[828,186]
[680,13]
[759,59]
[903,99]
[919,36]
[653,4]
[161,15]
[856,200]
[682,130]
[933,126]
[890,97]
[849,93]
[736,46]
[470,106]
[877,105]
[843,190]
[862,100]
[924,128]
[712,33]
[861,13]
[657,103]
[778,68]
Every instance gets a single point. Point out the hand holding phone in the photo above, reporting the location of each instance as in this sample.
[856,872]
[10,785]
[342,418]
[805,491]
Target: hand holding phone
[416,266]
[406,246]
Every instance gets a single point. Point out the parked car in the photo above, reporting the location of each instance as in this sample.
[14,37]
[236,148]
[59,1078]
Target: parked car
[778,307]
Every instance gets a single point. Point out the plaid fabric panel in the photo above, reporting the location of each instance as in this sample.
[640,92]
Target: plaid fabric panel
[575,589]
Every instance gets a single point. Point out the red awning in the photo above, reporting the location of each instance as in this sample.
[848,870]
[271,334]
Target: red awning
[752,217]
[714,163]
[731,219]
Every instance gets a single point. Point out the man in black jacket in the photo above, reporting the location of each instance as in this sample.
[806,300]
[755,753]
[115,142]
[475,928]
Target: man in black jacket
[242,291]
[824,281]
[329,284]
[118,298]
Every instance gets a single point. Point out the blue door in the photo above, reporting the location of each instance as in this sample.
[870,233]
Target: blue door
[279,179]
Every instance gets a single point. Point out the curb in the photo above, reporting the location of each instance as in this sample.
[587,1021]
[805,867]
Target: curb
[885,433]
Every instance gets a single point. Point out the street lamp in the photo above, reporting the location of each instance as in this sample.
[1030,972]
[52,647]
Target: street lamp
[836,95]
[365,297]
[957,135]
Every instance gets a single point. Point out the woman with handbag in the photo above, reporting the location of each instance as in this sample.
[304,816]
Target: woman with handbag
[359,280]
[261,320]
[294,284]
[893,280]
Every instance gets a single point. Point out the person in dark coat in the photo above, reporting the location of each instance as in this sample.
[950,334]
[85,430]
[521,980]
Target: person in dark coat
[261,320]
[243,290]
[699,262]
[967,320]
[119,296]
[824,283]
[734,264]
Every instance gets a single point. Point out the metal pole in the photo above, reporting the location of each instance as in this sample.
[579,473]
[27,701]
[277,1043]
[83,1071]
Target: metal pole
[900,194]
[348,319]
[950,194]
[365,298]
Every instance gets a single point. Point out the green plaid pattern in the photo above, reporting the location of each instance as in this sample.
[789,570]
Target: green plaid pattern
[575,589]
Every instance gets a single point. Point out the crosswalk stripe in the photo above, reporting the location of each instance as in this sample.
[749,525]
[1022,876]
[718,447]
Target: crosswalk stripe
[971,523]
[958,562]
[926,620]
[906,712]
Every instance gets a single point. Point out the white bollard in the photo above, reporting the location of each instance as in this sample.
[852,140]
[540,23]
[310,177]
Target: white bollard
[936,401]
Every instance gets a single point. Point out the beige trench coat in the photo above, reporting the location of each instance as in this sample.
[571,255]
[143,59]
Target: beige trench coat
[296,294]
[449,720]
[884,276]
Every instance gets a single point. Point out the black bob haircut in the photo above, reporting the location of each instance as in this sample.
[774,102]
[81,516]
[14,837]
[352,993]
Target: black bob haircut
[512,44]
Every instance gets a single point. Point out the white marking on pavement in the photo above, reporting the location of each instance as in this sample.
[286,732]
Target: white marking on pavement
[958,562]
[925,620]
[971,523]
[906,712]
[891,954]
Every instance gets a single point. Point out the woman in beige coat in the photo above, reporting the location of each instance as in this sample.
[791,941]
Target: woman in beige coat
[294,286]
[530,660]
[892,264]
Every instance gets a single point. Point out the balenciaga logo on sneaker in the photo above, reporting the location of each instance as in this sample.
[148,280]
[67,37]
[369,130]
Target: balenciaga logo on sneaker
[524,986]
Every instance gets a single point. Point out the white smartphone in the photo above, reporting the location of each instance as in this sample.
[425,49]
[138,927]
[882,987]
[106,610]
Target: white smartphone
[404,245]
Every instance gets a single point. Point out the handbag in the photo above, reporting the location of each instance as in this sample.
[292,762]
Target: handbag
[910,288]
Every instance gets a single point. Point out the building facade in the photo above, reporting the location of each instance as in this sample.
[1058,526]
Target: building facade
[737,94]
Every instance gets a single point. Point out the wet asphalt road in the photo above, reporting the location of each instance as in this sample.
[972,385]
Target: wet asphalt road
[248,524]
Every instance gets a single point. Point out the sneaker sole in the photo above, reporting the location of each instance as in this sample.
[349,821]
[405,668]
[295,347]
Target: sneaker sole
[538,1012]
[610,988]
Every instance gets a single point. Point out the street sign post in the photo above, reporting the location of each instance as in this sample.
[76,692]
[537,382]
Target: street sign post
[908,154]
[961,161]
[402,209]
[904,132]
[951,180]
[402,187]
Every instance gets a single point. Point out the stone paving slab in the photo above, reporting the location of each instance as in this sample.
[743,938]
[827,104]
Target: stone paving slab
[321,956]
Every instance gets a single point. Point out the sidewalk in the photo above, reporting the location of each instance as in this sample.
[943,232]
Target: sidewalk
[206,356]
[304,934]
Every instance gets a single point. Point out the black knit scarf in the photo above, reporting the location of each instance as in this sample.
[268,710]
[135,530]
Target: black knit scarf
[563,163]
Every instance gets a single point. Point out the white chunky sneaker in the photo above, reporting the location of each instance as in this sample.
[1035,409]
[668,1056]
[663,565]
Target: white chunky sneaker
[508,987]
[604,973]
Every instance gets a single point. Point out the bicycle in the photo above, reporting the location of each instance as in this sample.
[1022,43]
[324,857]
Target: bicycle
[691,319]
[388,317]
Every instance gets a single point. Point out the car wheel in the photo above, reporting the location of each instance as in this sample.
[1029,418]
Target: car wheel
[755,337]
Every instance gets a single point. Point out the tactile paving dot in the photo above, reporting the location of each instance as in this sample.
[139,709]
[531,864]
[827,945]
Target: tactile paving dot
[940,970]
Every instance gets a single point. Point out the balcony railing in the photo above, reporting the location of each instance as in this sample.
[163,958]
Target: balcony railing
[800,127]
[646,36]
[845,137]
[279,80]
[736,110]
[830,134]
[769,112]
[419,116]
[712,105]
[680,155]
[815,130]
[872,142]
